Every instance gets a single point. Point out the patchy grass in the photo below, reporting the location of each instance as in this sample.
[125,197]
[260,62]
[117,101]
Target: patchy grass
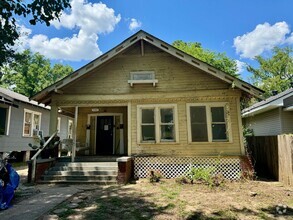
[170,200]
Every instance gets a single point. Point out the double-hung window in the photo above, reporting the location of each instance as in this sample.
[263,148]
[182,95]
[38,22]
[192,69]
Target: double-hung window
[208,122]
[32,121]
[157,123]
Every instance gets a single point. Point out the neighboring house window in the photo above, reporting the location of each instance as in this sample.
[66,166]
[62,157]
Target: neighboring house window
[70,129]
[32,121]
[208,122]
[3,120]
[157,123]
[58,124]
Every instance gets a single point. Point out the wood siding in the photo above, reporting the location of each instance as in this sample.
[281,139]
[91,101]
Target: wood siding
[178,83]
[172,74]
[183,148]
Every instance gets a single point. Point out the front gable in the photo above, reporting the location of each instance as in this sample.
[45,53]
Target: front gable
[171,74]
[143,51]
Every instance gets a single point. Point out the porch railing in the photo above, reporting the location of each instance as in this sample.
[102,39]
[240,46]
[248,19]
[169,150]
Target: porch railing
[34,158]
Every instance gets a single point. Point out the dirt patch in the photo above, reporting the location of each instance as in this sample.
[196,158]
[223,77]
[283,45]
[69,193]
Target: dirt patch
[170,200]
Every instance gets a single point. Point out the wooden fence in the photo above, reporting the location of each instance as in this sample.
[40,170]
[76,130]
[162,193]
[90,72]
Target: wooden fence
[273,157]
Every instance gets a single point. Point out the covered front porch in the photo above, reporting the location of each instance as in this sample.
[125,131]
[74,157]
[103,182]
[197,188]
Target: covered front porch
[97,130]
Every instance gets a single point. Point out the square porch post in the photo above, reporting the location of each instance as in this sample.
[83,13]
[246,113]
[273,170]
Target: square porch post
[74,134]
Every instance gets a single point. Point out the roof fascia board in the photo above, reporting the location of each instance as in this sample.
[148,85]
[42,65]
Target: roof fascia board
[278,102]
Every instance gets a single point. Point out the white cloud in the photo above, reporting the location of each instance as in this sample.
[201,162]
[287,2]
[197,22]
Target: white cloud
[264,37]
[89,19]
[240,66]
[134,24]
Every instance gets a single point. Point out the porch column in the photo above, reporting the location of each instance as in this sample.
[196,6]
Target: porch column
[74,134]
[53,119]
[129,128]
[242,149]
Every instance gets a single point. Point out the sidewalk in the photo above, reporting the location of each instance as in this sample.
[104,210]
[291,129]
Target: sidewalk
[40,203]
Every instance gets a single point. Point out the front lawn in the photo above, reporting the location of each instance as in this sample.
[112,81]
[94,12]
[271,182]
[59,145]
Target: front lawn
[170,200]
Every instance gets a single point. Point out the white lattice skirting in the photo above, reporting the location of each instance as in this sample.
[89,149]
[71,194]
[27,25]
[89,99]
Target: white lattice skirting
[171,167]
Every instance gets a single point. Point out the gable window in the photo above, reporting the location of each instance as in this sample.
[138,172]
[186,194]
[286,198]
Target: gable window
[32,122]
[3,120]
[208,122]
[142,77]
[157,123]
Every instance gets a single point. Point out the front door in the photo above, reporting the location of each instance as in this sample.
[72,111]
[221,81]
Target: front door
[104,140]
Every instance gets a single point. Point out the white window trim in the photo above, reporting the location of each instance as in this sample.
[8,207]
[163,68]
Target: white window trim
[31,129]
[157,116]
[7,122]
[143,81]
[68,129]
[209,121]
[59,124]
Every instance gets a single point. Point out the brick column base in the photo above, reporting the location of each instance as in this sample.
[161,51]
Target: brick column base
[124,169]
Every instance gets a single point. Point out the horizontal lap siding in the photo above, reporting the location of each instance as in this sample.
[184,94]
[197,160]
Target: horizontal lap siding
[175,77]
[172,74]
[183,148]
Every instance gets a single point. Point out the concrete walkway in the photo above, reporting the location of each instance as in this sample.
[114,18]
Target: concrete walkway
[39,204]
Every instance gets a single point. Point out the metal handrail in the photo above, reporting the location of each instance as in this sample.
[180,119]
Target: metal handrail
[34,158]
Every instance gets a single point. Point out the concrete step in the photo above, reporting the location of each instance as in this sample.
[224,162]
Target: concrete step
[80,178]
[89,159]
[108,182]
[81,173]
[87,164]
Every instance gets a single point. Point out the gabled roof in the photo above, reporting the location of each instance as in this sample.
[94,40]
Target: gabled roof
[44,95]
[268,104]
[9,97]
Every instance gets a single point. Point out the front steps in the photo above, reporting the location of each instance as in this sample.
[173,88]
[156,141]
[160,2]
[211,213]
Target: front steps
[103,172]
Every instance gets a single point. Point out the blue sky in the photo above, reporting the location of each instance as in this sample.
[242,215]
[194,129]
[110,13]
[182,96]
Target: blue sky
[241,29]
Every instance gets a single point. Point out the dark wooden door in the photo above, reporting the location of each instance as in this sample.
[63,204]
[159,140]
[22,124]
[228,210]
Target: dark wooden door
[104,140]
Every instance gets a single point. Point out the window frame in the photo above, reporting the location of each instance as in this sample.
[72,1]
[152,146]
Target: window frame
[70,130]
[7,119]
[32,125]
[133,81]
[58,125]
[208,107]
[158,123]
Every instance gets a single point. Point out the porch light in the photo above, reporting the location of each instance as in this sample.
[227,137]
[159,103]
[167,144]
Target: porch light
[95,109]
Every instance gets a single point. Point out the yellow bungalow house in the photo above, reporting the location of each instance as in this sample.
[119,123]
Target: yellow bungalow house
[156,104]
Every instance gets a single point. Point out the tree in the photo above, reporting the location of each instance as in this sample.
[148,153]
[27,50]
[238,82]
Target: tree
[42,11]
[274,73]
[32,73]
[218,60]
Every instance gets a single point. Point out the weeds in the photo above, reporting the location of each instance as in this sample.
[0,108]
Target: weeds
[155,176]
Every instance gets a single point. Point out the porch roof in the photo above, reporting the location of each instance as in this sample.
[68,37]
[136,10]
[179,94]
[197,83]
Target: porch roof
[44,96]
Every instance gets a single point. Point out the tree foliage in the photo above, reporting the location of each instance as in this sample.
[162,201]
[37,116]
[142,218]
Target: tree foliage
[42,11]
[218,60]
[274,73]
[32,73]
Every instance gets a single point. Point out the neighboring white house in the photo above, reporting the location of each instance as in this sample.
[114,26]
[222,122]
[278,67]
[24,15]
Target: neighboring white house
[21,120]
[272,116]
